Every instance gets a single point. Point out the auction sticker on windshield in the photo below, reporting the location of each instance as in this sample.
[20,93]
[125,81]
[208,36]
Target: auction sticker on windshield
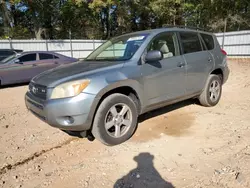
[136,38]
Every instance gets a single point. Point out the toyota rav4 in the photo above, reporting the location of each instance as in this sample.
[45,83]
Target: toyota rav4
[103,95]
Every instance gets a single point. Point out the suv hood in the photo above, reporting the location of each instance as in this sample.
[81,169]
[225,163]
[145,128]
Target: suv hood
[73,71]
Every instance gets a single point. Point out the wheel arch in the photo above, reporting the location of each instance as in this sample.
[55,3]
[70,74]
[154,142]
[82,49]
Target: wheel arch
[126,88]
[218,72]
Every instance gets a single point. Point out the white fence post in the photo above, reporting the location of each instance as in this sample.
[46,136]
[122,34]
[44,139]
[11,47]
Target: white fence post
[46,43]
[94,44]
[223,40]
[11,46]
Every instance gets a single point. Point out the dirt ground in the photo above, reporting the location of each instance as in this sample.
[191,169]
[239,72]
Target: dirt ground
[183,145]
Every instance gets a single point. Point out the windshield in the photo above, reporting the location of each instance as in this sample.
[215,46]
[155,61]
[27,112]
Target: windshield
[118,49]
[7,59]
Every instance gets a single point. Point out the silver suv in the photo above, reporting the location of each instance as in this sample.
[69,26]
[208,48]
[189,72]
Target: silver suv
[102,96]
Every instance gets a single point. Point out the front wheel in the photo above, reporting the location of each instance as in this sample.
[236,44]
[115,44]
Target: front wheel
[115,120]
[212,92]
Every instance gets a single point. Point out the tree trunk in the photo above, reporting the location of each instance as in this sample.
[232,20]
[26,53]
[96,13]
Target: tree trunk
[38,33]
[107,10]
[102,25]
[6,14]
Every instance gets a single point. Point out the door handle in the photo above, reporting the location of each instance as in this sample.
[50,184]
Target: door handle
[34,65]
[209,60]
[56,62]
[181,64]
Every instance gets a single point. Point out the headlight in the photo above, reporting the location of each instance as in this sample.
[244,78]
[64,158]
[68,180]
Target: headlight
[69,89]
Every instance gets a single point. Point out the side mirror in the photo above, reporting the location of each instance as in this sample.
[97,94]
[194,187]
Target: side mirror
[153,55]
[17,61]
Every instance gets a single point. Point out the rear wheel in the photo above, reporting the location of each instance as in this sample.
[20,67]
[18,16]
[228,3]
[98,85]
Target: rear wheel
[115,120]
[212,92]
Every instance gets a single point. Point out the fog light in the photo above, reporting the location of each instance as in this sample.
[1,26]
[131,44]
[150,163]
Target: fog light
[69,119]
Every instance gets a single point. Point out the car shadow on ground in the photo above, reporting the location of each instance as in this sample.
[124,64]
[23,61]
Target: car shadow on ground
[144,175]
[142,117]
[166,109]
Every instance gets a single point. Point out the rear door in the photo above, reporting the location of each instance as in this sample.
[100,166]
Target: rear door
[209,45]
[199,61]
[46,61]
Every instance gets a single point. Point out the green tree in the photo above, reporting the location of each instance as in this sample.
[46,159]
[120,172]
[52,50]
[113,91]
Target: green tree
[102,19]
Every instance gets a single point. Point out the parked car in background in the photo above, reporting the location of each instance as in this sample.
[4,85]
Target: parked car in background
[129,75]
[21,68]
[4,53]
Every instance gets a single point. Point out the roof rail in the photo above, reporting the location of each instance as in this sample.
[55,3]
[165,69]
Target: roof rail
[184,27]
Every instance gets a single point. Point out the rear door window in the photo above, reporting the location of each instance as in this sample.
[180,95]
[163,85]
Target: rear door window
[209,41]
[28,57]
[44,56]
[190,42]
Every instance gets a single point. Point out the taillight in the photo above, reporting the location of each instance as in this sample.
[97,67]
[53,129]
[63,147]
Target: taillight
[224,52]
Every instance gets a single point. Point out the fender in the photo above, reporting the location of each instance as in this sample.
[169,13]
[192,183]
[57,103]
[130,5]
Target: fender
[136,86]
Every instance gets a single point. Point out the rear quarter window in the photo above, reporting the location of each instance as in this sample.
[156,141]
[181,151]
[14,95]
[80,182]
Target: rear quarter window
[190,42]
[209,41]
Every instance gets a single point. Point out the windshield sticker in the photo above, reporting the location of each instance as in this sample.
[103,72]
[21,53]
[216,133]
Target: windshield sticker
[136,38]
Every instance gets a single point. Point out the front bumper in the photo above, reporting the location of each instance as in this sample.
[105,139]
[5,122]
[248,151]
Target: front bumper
[73,114]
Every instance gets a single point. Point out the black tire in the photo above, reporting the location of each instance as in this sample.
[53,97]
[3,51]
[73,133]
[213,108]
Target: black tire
[99,131]
[136,101]
[205,97]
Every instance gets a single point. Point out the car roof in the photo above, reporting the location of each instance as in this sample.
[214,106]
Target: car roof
[11,50]
[47,52]
[38,52]
[159,30]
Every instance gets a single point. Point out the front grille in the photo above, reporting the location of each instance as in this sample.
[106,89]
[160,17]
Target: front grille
[38,90]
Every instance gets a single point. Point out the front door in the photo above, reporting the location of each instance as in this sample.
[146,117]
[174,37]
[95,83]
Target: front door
[164,80]
[18,71]
[29,64]
[9,73]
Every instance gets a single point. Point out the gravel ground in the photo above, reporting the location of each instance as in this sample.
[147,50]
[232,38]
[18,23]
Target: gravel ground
[183,145]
